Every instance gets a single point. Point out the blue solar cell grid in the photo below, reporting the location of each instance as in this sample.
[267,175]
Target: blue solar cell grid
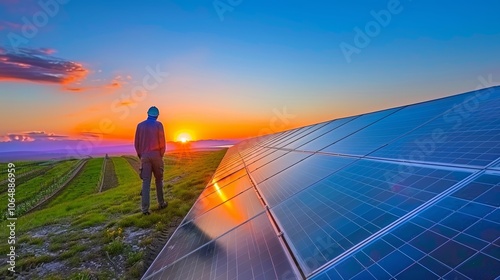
[457,238]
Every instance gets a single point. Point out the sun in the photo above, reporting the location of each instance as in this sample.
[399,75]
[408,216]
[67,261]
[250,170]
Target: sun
[184,138]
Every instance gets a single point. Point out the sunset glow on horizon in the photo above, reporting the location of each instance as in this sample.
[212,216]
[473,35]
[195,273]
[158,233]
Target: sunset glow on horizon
[184,137]
[230,77]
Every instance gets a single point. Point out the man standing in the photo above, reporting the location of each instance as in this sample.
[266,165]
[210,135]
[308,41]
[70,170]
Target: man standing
[150,147]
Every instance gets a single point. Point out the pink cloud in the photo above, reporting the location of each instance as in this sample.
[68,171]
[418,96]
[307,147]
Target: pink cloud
[111,86]
[37,65]
[40,66]
[31,136]
[47,51]
[92,134]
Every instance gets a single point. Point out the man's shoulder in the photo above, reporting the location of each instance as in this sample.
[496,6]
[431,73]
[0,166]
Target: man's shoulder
[150,123]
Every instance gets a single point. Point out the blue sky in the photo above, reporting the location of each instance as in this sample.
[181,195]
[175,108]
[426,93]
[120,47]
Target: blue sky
[227,76]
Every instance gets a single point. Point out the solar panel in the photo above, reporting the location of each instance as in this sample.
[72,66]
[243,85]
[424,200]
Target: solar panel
[297,177]
[345,130]
[274,154]
[456,238]
[276,165]
[228,172]
[459,136]
[301,133]
[218,196]
[221,182]
[249,251]
[406,193]
[351,205]
[383,131]
[202,229]
[319,132]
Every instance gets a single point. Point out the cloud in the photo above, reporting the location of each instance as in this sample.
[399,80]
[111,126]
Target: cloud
[12,137]
[119,81]
[127,102]
[38,65]
[31,136]
[75,89]
[116,83]
[92,134]
[47,51]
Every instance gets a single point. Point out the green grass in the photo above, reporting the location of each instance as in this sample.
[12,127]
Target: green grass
[31,261]
[28,189]
[35,241]
[115,247]
[80,207]
[21,167]
[83,185]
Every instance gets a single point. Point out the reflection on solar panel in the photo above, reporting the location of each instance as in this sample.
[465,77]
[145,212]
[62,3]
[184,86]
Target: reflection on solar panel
[408,193]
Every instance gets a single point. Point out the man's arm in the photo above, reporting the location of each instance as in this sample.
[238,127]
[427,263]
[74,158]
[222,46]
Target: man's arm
[161,140]
[137,141]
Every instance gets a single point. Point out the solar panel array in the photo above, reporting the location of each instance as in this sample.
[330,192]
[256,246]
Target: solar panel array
[409,193]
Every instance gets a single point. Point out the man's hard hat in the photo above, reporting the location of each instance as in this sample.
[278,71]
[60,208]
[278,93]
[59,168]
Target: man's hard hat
[153,112]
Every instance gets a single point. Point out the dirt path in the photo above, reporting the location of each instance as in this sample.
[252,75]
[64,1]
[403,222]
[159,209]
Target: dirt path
[134,162]
[110,178]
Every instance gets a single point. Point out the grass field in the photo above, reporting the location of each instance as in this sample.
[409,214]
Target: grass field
[23,167]
[31,187]
[83,234]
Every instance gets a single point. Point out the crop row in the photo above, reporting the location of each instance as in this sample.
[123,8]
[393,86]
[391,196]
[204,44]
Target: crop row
[50,189]
[26,176]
